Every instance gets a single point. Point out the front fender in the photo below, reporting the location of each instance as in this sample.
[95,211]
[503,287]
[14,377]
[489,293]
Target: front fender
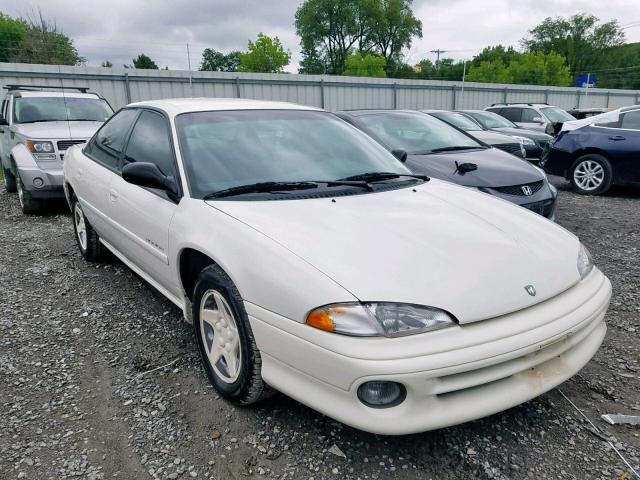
[22,158]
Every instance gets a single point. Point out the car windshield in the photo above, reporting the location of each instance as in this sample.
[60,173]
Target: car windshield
[557,115]
[492,120]
[458,120]
[416,133]
[227,149]
[51,109]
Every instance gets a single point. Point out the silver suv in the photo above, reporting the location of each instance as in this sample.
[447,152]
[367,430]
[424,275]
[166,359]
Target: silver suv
[37,125]
[534,116]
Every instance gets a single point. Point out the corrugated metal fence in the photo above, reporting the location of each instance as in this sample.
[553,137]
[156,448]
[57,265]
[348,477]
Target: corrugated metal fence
[121,86]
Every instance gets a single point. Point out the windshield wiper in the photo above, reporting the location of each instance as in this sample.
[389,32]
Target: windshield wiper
[381,176]
[39,121]
[456,147]
[261,187]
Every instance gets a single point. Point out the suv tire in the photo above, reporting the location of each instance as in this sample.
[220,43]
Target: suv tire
[86,237]
[9,181]
[28,204]
[591,174]
[227,347]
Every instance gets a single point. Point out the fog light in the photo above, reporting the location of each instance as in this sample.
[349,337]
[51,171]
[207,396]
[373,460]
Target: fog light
[381,394]
[38,182]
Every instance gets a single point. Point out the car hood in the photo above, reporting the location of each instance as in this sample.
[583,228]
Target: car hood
[524,132]
[495,168]
[435,244]
[58,130]
[492,138]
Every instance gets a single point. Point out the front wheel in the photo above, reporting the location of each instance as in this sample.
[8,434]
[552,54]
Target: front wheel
[591,175]
[86,237]
[9,181]
[27,202]
[228,350]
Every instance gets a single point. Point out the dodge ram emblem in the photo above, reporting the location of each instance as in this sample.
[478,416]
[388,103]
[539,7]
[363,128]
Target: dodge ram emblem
[530,290]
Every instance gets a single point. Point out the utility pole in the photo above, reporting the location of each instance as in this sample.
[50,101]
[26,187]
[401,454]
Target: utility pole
[586,92]
[438,52]
[464,74]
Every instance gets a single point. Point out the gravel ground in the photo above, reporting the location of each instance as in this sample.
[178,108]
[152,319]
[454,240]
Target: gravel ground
[79,396]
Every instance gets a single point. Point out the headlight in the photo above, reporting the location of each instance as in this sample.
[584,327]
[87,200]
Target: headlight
[379,319]
[585,262]
[525,140]
[39,147]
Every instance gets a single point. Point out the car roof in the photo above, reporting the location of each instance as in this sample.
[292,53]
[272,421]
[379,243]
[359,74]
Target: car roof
[51,94]
[358,113]
[176,106]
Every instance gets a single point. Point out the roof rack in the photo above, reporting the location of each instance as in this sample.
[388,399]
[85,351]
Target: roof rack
[37,88]
[519,103]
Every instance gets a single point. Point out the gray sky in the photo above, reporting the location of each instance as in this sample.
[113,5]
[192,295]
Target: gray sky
[120,29]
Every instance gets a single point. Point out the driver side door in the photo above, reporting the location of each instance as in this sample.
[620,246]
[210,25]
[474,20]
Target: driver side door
[142,216]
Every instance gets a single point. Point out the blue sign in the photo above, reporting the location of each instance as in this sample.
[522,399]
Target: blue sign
[587,81]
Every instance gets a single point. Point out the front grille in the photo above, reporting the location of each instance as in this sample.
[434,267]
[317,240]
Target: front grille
[521,190]
[512,148]
[544,208]
[64,144]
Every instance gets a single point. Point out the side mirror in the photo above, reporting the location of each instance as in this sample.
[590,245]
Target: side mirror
[400,155]
[537,120]
[148,175]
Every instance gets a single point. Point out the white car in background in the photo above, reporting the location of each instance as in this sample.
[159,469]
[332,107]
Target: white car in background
[310,260]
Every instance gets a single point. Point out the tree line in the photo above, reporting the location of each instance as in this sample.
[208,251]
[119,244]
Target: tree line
[369,38]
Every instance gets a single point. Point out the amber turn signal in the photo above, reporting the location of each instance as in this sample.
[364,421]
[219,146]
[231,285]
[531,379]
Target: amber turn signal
[321,320]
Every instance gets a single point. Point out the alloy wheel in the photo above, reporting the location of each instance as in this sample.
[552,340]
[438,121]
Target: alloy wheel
[588,175]
[81,226]
[220,336]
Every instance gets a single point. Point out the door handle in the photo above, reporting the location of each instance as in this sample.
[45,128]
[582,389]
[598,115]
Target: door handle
[617,138]
[113,195]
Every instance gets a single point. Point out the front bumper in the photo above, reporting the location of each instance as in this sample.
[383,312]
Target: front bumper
[42,183]
[451,376]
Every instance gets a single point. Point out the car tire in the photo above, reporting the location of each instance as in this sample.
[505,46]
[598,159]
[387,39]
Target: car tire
[227,347]
[9,181]
[87,239]
[28,204]
[591,174]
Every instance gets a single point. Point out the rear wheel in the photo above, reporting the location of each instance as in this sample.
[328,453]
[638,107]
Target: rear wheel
[86,237]
[27,202]
[591,175]
[9,180]
[229,353]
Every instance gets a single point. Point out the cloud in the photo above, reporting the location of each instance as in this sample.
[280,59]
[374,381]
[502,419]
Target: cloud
[119,30]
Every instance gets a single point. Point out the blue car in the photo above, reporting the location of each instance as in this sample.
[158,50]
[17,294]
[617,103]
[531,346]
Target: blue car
[598,152]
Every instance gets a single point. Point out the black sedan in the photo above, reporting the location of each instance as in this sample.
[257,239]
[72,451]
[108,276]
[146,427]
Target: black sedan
[535,143]
[600,154]
[442,151]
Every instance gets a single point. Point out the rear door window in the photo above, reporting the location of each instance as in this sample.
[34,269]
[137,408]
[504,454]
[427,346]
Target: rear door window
[513,114]
[529,114]
[107,145]
[631,120]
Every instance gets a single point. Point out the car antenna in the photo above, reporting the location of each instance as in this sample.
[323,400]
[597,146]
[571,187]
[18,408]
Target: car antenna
[64,99]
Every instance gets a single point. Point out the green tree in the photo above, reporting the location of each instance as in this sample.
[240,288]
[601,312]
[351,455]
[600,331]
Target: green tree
[215,61]
[367,65]
[538,68]
[394,27]
[144,61]
[12,34]
[265,55]
[107,64]
[580,39]
[489,72]
[497,52]
[42,42]
[312,62]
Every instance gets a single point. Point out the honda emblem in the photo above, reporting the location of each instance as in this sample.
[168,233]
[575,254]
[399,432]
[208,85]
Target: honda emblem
[526,189]
[530,290]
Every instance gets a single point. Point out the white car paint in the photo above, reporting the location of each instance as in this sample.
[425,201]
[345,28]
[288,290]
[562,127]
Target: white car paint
[433,244]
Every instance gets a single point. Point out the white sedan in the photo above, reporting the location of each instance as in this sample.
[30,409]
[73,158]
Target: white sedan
[311,261]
